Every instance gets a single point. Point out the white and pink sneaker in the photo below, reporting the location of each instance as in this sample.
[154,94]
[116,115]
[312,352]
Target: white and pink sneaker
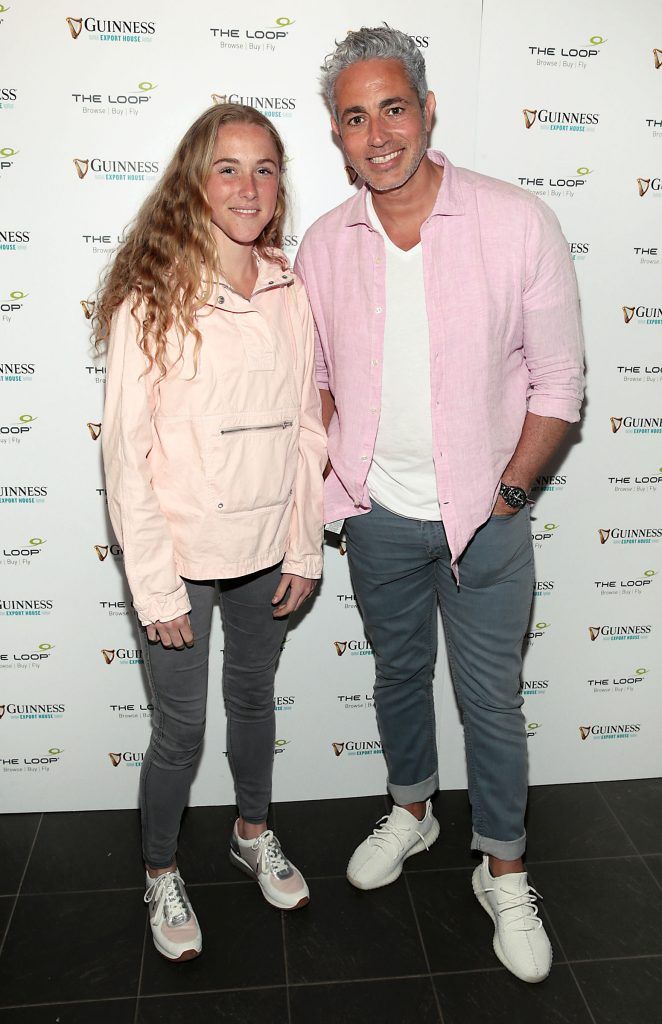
[281,883]
[175,927]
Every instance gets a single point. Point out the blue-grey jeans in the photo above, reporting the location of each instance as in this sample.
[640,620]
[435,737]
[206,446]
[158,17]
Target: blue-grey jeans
[400,571]
[178,680]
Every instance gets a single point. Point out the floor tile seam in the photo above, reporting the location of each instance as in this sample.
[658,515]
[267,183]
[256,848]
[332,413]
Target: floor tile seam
[582,994]
[285,968]
[423,947]
[18,891]
[68,1002]
[140,972]
[650,870]
[211,991]
[82,892]
[616,818]
[614,959]
[412,872]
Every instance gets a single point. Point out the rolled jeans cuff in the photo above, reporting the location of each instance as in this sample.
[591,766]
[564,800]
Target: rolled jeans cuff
[512,850]
[414,794]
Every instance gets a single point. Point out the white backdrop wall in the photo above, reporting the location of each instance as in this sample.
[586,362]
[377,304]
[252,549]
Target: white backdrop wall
[562,99]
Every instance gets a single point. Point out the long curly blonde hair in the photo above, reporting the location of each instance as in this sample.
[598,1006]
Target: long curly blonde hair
[168,261]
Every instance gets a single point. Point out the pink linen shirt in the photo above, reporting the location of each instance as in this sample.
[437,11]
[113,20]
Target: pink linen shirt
[504,327]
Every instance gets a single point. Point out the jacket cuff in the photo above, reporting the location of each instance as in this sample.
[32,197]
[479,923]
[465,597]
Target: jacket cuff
[164,607]
[310,566]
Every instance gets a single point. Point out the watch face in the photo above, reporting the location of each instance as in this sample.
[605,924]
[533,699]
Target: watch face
[515,497]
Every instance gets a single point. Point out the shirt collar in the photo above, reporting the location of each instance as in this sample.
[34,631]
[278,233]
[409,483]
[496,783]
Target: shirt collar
[449,201]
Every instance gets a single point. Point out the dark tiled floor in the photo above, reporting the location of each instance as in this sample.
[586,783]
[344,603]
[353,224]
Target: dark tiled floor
[74,947]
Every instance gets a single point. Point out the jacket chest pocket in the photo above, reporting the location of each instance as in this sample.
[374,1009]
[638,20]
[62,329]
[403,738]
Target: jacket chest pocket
[251,466]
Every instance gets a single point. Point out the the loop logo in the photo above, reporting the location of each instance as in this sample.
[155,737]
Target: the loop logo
[646,374]
[254,39]
[568,58]
[563,186]
[620,632]
[33,659]
[7,158]
[357,701]
[132,710]
[609,732]
[33,763]
[12,304]
[532,729]
[543,535]
[618,684]
[23,554]
[539,630]
[16,433]
[125,104]
[636,585]
[104,30]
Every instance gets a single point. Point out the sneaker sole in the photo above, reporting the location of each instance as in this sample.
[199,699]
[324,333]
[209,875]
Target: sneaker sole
[476,885]
[187,954]
[243,866]
[431,838]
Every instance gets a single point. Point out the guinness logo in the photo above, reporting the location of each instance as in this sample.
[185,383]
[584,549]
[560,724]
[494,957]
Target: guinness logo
[2,710]
[584,731]
[643,184]
[114,759]
[594,632]
[657,59]
[95,430]
[75,26]
[217,98]
[340,646]
[604,535]
[529,117]
[108,655]
[102,551]
[88,309]
[82,167]
[338,748]
[616,423]
[628,313]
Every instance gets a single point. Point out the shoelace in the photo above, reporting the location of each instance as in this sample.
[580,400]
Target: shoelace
[166,892]
[386,829]
[270,856]
[526,901]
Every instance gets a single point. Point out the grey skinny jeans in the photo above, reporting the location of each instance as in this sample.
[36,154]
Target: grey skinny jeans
[178,680]
[400,570]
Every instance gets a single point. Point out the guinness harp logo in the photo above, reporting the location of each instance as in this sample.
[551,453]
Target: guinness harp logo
[217,98]
[102,551]
[114,759]
[352,175]
[594,632]
[529,117]
[108,655]
[616,423]
[2,710]
[584,731]
[340,646]
[75,26]
[628,313]
[604,535]
[82,167]
[657,59]
[643,184]
[338,748]
[88,309]
[95,430]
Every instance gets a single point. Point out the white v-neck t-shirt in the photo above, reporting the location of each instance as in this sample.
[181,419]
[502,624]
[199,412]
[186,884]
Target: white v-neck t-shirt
[401,476]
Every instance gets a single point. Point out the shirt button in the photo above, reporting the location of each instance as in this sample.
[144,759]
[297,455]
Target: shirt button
[364,458]
[378,309]
[220,300]
[220,504]
[378,260]
[373,408]
[374,362]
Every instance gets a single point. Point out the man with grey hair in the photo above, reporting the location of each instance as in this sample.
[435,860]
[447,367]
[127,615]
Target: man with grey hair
[449,359]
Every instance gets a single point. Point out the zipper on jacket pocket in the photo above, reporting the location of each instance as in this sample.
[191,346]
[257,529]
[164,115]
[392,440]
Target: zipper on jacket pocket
[283,425]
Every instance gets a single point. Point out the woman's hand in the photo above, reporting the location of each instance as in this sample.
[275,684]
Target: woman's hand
[300,590]
[174,633]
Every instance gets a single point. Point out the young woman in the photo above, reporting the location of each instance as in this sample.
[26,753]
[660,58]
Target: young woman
[213,449]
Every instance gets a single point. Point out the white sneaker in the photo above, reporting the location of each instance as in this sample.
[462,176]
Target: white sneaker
[175,927]
[520,940]
[379,859]
[282,885]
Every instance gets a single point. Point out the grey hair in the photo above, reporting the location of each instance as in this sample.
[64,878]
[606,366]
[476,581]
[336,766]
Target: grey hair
[383,43]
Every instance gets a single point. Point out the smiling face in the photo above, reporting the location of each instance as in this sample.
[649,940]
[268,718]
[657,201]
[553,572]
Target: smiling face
[380,122]
[242,188]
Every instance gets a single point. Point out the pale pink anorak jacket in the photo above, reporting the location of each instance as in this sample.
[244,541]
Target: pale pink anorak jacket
[216,474]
